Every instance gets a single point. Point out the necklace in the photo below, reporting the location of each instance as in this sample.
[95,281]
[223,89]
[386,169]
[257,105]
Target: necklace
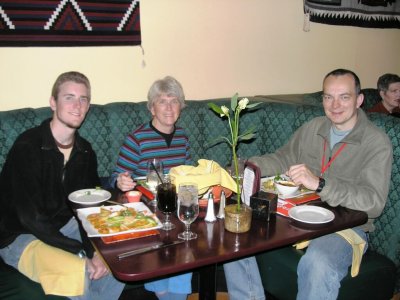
[70,145]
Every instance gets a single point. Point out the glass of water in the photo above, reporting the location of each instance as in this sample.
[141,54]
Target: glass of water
[188,208]
[154,166]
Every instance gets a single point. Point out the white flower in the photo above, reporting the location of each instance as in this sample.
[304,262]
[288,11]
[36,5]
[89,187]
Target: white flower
[243,103]
[225,111]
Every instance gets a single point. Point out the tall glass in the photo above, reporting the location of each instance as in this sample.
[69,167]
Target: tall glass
[166,194]
[154,166]
[188,208]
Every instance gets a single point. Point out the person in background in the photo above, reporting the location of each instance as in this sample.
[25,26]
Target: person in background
[38,230]
[389,90]
[159,138]
[347,160]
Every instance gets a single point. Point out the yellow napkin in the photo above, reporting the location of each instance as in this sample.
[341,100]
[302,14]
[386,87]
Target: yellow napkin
[59,272]
[208,173]
[356,242]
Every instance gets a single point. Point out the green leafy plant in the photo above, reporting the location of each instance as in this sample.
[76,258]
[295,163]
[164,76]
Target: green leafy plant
[233,116]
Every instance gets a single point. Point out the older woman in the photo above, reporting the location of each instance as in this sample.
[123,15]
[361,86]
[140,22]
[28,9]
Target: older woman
[158,138]
[162,139]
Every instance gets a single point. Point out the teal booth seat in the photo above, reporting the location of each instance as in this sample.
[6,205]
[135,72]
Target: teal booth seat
[375,280]
[15,286]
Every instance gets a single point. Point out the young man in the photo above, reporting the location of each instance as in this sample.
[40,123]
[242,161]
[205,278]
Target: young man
[347,160]
[389,90]
[38,231]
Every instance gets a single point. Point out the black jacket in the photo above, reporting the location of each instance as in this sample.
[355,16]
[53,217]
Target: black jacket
[34,186]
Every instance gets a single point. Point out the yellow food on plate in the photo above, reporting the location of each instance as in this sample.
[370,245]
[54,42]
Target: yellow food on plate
[108,221]
[269,185]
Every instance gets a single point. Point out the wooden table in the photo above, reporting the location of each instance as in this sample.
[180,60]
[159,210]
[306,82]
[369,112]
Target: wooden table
[213,245]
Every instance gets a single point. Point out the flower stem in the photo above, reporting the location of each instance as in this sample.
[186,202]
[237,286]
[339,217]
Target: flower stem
[236,166]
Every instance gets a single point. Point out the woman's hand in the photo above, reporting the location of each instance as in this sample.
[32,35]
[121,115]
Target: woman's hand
[125,182]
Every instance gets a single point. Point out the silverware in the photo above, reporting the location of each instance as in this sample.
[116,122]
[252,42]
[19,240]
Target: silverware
[117,203]
[149,248]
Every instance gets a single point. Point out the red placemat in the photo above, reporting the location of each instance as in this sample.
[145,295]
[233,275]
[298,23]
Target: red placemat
[128,236]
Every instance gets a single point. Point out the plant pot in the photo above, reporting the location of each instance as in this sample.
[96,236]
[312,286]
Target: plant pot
[237,221]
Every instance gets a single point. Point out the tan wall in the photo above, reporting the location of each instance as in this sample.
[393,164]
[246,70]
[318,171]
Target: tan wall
[215,48]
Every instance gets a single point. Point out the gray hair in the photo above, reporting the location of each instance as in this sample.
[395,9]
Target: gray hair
[167,86]
[385,80]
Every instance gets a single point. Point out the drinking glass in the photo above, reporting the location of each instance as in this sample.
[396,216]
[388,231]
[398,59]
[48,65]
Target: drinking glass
[154,165]
[166,203]
[188,208]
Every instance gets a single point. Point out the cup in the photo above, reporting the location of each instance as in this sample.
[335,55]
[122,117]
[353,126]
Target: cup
[154,166]
[133,196]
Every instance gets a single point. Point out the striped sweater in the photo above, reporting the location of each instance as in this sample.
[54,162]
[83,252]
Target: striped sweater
[145,143]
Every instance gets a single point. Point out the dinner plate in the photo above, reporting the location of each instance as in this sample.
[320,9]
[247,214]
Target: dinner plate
[311,214]
[92,232]
[271,189]
[89,196]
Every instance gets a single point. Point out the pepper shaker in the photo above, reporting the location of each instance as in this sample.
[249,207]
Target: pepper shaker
[210,215]
[221,212]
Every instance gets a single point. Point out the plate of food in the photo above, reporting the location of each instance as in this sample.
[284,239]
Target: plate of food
[311,214]
[89,196]
[267,184]
[118,219]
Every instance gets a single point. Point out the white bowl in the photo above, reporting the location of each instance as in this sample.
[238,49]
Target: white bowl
[286,187]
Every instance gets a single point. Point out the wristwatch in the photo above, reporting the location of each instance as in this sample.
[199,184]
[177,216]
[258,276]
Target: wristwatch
[320,185]
[82,254]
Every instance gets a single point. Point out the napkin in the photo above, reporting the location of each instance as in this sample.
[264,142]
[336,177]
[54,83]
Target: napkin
[356,242]
[208,173]
[59,272]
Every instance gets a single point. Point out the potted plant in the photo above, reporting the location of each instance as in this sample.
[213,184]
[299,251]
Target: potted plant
[237,216]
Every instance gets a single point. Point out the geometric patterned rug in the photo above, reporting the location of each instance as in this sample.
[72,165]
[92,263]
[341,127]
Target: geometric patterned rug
[360,13]
[69,23]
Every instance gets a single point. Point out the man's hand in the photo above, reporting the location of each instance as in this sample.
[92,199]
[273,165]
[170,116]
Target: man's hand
[300,174]
[125,182]
[96,267]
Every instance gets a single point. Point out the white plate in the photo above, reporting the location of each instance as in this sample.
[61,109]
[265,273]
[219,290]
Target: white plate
[298,193]
[89,196]
[311,214]
[92,232]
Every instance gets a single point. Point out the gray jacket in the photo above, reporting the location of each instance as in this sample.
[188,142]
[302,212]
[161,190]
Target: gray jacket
[360,175]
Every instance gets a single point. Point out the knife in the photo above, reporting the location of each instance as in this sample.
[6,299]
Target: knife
[148,249]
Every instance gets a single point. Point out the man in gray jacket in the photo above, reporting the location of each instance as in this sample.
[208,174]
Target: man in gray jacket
[347,160]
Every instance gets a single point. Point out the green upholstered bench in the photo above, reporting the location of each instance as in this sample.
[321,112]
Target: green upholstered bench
[279,276]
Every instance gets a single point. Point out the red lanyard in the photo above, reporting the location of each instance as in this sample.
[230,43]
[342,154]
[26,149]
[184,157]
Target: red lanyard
[325,167]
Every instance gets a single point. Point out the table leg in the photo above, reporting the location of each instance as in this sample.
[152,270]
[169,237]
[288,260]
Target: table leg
[208,282]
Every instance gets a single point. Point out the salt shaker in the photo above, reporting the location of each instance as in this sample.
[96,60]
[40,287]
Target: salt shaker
[221,212]
[210,215]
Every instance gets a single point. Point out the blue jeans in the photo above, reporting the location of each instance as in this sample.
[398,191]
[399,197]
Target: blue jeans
[106,288]
[243,280]
[325,263]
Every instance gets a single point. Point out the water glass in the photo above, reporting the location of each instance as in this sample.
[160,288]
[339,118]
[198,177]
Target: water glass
[154,166]
[188,208]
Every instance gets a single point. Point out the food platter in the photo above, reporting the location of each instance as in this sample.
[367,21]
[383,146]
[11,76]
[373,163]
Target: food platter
[89,196]
[267,185]
[310,214]
[84,213]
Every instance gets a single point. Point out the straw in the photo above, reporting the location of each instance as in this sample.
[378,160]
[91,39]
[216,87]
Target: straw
[155,169]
